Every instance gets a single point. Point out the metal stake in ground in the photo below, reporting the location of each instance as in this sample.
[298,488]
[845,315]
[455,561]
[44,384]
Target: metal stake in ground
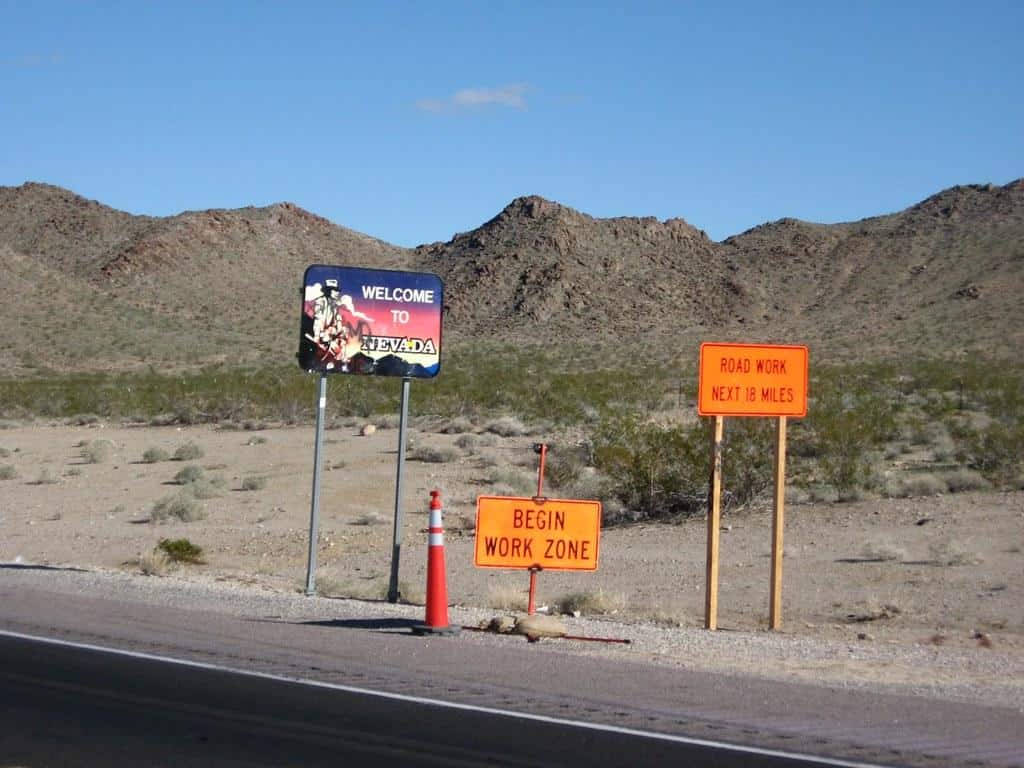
[531,605]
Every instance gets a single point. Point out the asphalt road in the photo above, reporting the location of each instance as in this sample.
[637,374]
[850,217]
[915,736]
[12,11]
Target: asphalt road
[469,700]
[67,705]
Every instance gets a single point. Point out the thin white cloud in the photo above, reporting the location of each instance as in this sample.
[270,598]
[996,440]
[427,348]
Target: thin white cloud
[513,96]
[31,61]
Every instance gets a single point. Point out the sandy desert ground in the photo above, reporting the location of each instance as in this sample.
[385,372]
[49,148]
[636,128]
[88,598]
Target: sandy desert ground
[940,574]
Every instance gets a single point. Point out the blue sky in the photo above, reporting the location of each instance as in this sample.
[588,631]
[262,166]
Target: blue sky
[414,121]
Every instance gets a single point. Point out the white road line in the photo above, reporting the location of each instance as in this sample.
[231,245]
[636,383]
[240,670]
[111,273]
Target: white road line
[828,761]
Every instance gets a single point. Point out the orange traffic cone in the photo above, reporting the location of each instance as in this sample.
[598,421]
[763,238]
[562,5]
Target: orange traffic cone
[437,584]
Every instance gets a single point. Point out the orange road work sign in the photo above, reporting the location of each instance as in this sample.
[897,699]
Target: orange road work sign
[752,380]
[551,534]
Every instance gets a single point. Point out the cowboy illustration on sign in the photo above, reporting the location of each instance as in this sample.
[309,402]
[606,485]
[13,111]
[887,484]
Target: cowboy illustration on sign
[338,327]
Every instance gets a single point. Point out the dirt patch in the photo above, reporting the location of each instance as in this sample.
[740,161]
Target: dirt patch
[953,580]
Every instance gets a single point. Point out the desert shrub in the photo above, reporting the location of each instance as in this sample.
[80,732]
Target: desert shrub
[510,481]
[387,421]
[85,419]
[181,550]
[848,422]
[96,452]
[369,518]
[563,465]
[796,495]
[467,442]
[657,471]
[589,483]
[883,552]
[181,505]
[4,453]
[913,484]
[154,563]
[153,455]
[506,426]
[254,483]
[207,487]
[188,452]
[434,455]
[997,452]
[46,477]
[458,426]
[591,602]
[188,474]
[952,553]
[748,458]
[961,480]
[507,597]
[8,472]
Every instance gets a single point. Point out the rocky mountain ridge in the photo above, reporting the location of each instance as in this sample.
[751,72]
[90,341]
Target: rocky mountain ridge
[91,287]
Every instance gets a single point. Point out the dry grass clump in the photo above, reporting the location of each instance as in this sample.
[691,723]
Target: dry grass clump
[663,615]
[369,518]
[188,474]
[914,485]
[883,552]
[189,452]
[590,484]
[506,426]
[182,505]
[328,585]
[254,483]
[509,481]
[387,421]
[97,451]
[8,472]
[952,553]
[433,455]
[152,455]
[207,487]
[591,603]
[961,480]
[457,426]
[46,477]
[155,563]
[506,597]
[411,594]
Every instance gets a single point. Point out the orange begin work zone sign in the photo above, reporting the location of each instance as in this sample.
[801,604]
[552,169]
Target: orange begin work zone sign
[752,380]
[551,534]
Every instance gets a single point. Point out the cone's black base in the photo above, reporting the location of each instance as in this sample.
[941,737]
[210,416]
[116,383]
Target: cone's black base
[423,629]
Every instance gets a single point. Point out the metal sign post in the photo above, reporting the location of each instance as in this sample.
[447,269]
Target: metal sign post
[396,546]
[714,522]
[318,463]
[775,609]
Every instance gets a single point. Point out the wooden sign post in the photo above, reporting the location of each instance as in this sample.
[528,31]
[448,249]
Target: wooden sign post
[714,526]
[749,380]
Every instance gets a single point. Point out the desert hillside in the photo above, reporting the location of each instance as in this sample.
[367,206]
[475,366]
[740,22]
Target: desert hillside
[90,287]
